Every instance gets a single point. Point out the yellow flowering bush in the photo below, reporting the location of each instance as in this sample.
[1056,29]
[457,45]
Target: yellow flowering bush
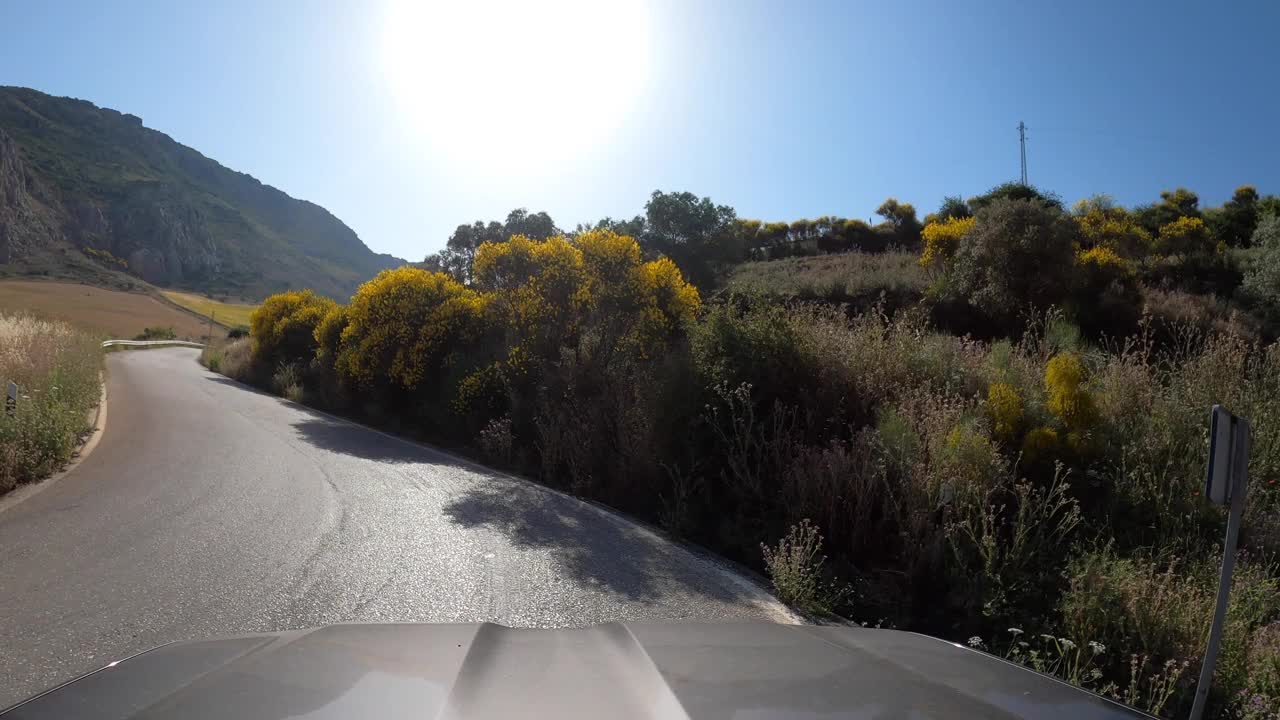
[668,299]
[1103,259]
[1005,406]
[283,328]
[1098,267]
[406,325]
[538,288]
[610,258]
[1112,228]
[544,292]
[942,239]
[1185,236]
[328,333]
[1039,443]
[1068,398]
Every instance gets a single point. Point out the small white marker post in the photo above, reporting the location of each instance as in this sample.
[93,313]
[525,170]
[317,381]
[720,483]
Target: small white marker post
[1226,482]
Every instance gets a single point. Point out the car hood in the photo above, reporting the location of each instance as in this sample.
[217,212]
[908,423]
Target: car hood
[614,671]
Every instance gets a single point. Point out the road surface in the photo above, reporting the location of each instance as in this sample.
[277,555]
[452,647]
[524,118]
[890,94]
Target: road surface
[208,509]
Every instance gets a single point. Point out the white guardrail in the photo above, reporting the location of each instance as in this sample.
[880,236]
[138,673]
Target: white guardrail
[144,343]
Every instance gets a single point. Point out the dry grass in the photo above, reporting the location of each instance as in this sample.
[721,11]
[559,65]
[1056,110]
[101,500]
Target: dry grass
[229,357]
[108,313]
[56,368]
[223,313]
[832,276]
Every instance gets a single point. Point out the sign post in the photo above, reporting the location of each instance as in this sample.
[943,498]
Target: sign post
[1226,482]
[11,399]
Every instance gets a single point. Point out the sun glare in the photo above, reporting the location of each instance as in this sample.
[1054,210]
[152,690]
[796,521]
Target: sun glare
[517,83]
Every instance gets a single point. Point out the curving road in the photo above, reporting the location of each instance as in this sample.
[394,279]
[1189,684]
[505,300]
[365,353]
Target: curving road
[209,509]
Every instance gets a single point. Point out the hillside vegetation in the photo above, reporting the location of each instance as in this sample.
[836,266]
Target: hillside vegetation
[1001,441]
[90,193]
[851,277]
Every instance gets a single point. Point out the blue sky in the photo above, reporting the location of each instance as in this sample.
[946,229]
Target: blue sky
[781,109]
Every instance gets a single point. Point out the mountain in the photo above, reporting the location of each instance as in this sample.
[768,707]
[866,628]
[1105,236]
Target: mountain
[91,193]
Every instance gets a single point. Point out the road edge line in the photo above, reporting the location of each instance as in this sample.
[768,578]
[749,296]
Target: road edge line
[25,492]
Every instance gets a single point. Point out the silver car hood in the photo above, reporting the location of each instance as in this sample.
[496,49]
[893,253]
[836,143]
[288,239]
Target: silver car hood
[609,671]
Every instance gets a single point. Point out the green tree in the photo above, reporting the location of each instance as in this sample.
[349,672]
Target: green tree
[535,226]
[901,219]
[460,250]
[1174,204]
[694,232]
[1235,221]
[631,228]
[1013,191]
[952,208]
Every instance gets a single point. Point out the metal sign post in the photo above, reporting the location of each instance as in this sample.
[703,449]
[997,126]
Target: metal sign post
[1226,482]
[11,399]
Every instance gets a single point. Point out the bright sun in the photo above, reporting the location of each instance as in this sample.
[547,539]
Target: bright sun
[512,84]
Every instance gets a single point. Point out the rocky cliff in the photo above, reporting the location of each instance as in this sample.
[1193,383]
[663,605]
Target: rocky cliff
[87,190]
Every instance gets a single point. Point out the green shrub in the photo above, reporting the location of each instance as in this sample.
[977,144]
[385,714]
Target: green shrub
[1261,282]
[1007,545]
[157,333]
[795,567]
[1019,253]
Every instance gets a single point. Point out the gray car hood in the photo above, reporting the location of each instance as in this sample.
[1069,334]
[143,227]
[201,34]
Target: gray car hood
[608,671]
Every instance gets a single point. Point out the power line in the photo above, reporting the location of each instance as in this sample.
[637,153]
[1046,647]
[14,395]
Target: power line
[1022,141]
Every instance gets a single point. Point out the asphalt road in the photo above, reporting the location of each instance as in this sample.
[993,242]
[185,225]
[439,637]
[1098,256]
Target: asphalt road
[209,509]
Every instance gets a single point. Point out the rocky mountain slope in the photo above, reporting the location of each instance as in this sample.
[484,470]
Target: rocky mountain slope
[91,193]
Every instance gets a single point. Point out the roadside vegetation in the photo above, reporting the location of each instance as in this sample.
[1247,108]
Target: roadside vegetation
[989,425]
[57,370]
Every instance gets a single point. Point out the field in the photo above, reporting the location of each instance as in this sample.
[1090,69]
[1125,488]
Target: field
[110,313]
[223,313]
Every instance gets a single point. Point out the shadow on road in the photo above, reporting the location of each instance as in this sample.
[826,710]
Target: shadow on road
[337,436]
[590,546]
[334,435]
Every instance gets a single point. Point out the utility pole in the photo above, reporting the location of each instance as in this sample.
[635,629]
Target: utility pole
[209,340]
[1022,140]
